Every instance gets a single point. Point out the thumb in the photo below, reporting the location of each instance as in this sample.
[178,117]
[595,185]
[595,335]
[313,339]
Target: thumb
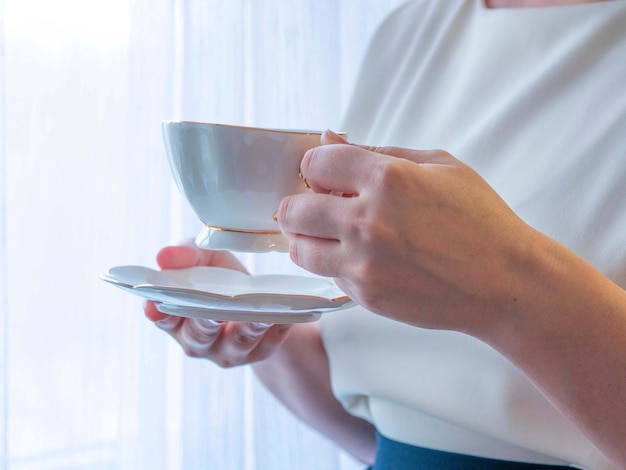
[330,137]
[423,157]
[438,157]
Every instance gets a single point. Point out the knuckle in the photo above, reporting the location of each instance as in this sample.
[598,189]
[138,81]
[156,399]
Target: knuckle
[207,328]
[195,341]
[192,352]
[353,227]
[242,339]
[364,273]
[168,324]
[364,279]
[441,153]
[390,174]
[373,233]
[255,329]
[371,229]
[197,336]
[224,363]
[385,150]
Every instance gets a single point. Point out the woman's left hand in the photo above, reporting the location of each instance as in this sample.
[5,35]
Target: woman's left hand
[418,236]
[425,240]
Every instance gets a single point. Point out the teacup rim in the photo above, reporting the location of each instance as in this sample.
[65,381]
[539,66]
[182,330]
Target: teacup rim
[253,128]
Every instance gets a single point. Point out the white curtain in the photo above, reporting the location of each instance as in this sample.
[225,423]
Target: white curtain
[85,381]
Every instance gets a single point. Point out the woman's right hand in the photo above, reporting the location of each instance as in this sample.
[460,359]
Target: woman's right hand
[227,344]
[298,372]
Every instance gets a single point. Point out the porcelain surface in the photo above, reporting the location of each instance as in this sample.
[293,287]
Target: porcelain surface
[234,178]
[227,290]
[237,315]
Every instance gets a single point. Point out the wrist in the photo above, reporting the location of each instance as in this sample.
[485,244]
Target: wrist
[556,298]
[538,292]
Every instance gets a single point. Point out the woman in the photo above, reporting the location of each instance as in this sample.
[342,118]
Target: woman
[492,326]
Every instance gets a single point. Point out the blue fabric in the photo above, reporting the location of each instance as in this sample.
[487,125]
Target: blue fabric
[393,455]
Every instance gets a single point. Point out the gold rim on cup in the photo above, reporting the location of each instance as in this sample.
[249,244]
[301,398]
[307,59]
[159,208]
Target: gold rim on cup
[237,230]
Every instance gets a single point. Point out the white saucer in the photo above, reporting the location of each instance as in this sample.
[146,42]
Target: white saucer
[235,315]
[213,239]
[228,290]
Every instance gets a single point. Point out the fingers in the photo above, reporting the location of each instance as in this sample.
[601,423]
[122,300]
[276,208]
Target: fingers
[188,255]
[197,336]
[227,344]
[224,259]
[329,137]
[418,156]
[338,168]
[273,337]
[316,215]
[317,255]
[177,257]
[239,343]
[424,157]
[153,313]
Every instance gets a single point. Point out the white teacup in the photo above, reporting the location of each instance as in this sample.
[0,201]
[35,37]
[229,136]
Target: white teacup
[234,178]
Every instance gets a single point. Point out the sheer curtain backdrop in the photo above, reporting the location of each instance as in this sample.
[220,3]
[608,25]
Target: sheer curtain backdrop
[85,381]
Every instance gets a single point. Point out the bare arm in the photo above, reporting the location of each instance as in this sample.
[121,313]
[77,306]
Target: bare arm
[298,375]
[567,331]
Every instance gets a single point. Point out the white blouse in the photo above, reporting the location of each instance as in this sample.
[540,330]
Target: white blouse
[534,100]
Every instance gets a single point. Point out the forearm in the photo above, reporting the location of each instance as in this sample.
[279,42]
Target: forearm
[567,332]
[298,375]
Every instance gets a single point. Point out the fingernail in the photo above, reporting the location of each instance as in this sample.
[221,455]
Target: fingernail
[283,328]
[258,328]
[335,136]
[166,322]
